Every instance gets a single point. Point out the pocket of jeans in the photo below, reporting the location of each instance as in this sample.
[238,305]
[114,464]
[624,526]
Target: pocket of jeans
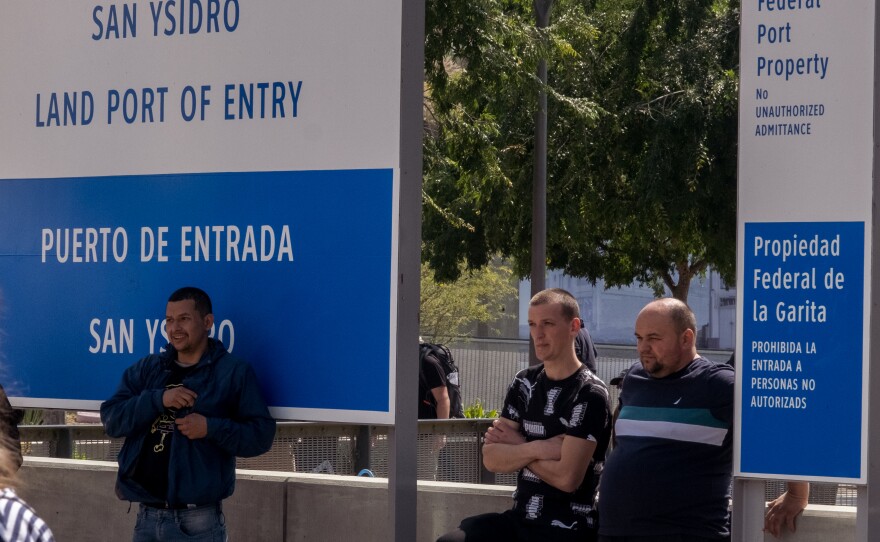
[199,524]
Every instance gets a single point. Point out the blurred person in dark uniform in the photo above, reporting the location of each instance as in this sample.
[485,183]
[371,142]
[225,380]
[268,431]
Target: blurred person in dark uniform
[584,348]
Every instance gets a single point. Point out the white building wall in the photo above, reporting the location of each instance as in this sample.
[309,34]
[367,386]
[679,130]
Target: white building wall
[611,313]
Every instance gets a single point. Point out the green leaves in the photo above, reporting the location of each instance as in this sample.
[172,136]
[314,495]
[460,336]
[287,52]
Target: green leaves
[642,105]
[447,309]
[478,410]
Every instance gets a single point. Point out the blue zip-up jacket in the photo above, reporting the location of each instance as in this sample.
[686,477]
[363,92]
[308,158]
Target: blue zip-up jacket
[200,471]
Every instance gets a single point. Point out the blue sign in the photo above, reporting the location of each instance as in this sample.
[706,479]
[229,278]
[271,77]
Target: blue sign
[802,349]
[298,265]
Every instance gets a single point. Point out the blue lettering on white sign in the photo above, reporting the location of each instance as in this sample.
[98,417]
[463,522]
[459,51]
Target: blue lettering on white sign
[176,17]
[111,17]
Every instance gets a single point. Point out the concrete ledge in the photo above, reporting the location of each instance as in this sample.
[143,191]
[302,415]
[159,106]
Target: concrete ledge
[77,500]
[337,507]
[442,505]
[823,523]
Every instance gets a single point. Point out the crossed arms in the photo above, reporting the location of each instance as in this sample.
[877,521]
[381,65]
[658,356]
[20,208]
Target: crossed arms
[561,461]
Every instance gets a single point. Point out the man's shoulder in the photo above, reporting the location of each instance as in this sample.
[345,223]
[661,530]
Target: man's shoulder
[230,365]
[632,373]
[709,383]
[219,355]
[531,372]
[154,360]
[720,373]
[589,382]
[430,358]
[715,379]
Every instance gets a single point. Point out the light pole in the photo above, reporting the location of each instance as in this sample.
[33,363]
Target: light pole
[539,179]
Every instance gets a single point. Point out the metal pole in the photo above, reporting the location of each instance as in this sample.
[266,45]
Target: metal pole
[362,449]
[402,485]
[868,510]
[748,510]
[539,181]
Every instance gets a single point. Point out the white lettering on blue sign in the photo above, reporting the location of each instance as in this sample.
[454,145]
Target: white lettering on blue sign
[111,340]
[217,243]
[84,245]
[797,247]
[196,243]
[117,336]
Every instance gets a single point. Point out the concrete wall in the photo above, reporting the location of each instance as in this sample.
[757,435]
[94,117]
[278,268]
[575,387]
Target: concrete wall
[77,500]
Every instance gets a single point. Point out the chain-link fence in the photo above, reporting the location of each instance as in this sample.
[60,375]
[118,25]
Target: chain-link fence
[448,450]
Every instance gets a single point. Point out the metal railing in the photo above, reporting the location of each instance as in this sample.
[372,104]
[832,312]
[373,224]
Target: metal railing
[448,450]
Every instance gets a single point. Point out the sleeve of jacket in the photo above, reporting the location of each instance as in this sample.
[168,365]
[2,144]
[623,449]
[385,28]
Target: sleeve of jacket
[132,408]
[251,430]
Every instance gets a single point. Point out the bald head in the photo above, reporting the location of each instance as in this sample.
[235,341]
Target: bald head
[666,333]
[678,312]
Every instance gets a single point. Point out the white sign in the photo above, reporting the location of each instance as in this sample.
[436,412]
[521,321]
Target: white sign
[248,148]
[805,193]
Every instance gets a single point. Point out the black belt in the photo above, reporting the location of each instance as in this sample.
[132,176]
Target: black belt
[166,506]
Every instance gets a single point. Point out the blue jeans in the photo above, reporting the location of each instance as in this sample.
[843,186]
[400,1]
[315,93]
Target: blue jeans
[202,524]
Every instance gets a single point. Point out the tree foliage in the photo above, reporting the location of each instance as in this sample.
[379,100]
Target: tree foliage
[448,308]
[642,137]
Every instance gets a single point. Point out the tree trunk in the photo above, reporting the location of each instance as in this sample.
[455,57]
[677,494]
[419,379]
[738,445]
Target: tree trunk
[680,291]
[686,272]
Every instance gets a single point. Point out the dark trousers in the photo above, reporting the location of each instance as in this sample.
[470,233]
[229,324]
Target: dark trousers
[662,538]
[508,527]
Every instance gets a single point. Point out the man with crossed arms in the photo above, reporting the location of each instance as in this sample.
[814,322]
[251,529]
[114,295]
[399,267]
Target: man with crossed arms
[554,430]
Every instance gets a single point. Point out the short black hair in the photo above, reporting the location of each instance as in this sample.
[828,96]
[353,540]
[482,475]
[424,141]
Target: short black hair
[199,297]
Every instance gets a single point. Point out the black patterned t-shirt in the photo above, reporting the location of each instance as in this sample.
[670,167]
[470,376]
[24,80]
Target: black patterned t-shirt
[577,406]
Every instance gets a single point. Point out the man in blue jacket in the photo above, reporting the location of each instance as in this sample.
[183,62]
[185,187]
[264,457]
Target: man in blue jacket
[186,414]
